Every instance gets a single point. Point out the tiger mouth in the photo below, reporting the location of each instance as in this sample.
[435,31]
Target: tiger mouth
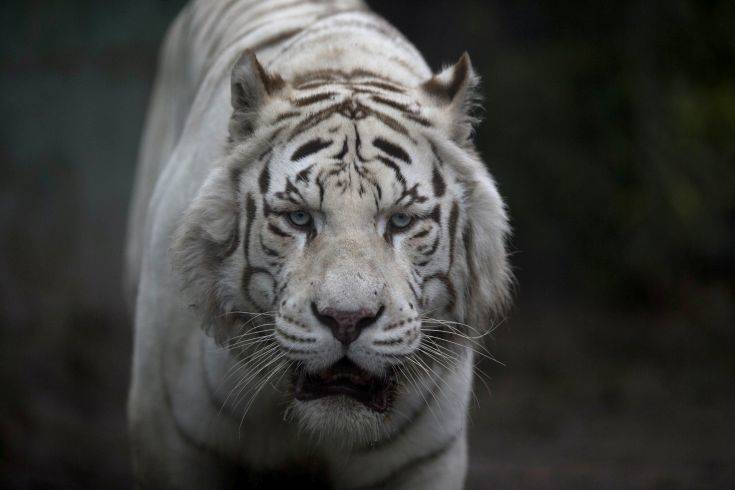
[346,378]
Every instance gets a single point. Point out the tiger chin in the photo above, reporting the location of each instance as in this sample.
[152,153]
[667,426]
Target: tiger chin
[314,249]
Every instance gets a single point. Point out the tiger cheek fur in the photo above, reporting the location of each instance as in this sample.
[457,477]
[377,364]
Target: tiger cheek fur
[340,254]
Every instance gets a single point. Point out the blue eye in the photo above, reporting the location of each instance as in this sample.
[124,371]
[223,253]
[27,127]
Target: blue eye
[400,220]
[300,218]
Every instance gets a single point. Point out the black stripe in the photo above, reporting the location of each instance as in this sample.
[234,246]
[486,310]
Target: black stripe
[448,284]
[235,174]
[266,208]
[233,240]
[435,152]
[392,165]
[403,472]
[421,234]
[339,75]
[436,213]
[413,196]
[314,119]
[320,185]
[315,84]
[469,258]
[392,149]
[383,85]
[277,231]
[303,176]
[274,135]
[342,152]
[247,274]
[268,250]
[392,103]
[438,182]
[292,189]
[431,250]
[350,109]
[292,338]
[413,290]
[185,436]
[265,179]
[313,99]
[250,209]
[418,119]
[309,148]
[390,122]
[286,115]
[453,217]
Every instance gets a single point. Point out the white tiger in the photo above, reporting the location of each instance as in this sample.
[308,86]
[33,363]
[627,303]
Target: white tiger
[311,235]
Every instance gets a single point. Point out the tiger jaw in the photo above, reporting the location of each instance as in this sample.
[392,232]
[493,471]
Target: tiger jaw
[345,378]
[363,370]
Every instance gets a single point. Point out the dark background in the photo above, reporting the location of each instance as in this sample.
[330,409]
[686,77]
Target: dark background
[610,127]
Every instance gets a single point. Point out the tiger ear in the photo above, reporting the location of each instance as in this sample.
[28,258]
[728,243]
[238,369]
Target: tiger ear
[250,86]
[454,90]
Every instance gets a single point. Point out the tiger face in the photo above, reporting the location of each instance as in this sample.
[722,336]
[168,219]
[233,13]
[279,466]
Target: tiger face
[349,211]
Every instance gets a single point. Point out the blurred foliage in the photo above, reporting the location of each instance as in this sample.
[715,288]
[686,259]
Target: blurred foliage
[611,131]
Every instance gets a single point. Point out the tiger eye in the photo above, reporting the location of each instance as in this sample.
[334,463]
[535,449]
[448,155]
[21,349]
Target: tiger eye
[400,220]
[300,218]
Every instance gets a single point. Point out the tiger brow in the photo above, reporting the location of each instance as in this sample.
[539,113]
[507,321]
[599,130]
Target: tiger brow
[309,148]
[392,149]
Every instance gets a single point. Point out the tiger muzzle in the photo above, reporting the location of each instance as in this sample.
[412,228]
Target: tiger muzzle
[346,326]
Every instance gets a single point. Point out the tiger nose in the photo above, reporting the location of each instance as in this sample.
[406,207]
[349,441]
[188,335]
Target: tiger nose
[346,326]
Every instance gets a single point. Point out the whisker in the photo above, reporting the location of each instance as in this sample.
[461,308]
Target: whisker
[255,314]
[436,377]
[487,356]
[243,383]
[414,376]
[472,342]
[255,367]
[454,361]
[252,398]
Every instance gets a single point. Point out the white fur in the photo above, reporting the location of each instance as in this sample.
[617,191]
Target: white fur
[194,410]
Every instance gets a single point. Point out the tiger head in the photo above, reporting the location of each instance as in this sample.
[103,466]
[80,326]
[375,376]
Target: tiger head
[349,223]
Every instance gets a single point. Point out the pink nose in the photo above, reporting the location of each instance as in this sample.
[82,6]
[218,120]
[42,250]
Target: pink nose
[346,326]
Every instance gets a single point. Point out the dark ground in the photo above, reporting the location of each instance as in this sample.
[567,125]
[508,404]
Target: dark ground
[609,126]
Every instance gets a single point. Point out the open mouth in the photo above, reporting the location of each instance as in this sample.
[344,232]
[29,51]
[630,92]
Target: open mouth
[345,378]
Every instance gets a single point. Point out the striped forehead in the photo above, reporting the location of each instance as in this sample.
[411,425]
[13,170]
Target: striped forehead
[346,159]
[317,99]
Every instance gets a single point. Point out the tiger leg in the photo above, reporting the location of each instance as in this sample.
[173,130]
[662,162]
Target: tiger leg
[444,469]
[164,458]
